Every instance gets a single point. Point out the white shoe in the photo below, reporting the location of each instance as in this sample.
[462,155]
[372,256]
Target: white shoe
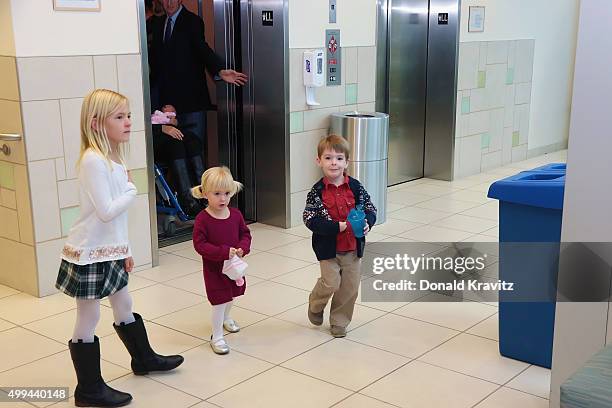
[219,346]
[231,326]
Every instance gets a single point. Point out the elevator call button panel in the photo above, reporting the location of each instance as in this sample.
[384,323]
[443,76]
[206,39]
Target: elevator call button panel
[334,57]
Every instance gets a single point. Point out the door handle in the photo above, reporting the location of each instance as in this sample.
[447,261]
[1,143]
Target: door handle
[11,137]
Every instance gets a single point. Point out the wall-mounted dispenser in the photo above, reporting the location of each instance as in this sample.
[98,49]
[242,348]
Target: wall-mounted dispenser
[314,72]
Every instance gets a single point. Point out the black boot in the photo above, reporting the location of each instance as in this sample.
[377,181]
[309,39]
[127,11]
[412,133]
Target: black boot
[182,182]
[91,390]
[144,359]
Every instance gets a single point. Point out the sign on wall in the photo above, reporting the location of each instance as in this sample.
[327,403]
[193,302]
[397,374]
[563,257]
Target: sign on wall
[76,5]
[476,21]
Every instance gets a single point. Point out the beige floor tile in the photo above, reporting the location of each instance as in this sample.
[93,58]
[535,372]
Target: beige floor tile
[303,278]
[494,232]
[446,205]
[19,346]
[447,311]
[376,237]
[163,340]
[60,327]
[489,211]
[301,250]
[170,267]
[361,401]
[158,300]
[57,371]
[535,380]
[194,283]
[205,404]
[7,291]
[271,298]
[488,328]
[204,373]
[419,385]
[482,177]
[394,206]
[475,356]
[196,320]
[507,398]
[431,189]
[23,308]
[481,188]
[148,393]
[137,282]
[383,306]
[300,230]
[405,197]
[395,227]
[13,404]
[416,214]
[430,233]
[278,388]
[189,253]
[401,335]
[275,340]
[361,316]
[267,266]
[4,325]
[345,363]
[468,195]
[457,184]
[480,238]
[503,171]
[465,223]
[265,239]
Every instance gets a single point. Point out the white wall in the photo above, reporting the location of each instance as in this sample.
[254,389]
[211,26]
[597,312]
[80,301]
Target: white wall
[41,31]
[308,20]
[553,25]
[580,328]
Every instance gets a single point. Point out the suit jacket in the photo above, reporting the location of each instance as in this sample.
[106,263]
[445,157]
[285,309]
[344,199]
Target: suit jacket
[177,66]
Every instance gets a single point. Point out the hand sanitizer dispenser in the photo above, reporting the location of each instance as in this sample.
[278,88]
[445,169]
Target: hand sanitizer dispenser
[314,72]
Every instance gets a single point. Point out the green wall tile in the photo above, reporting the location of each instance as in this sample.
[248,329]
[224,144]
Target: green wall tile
[7,176]
[465,105]
[482,79]
[296,122]
[68,217]
[515,138]
[141,181]
[485,140]
[351,94]
[510,76]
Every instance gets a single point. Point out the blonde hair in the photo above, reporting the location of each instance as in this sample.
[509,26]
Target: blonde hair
[335,143]
[216,179]
[99,105]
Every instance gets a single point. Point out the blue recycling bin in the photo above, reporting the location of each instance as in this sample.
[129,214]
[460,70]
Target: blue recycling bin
[530,214]
[552,167]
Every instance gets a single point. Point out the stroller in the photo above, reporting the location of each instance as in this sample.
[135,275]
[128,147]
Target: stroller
[168,205]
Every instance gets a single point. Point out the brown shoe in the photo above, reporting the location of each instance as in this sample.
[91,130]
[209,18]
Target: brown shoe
[315,318]
[338,331]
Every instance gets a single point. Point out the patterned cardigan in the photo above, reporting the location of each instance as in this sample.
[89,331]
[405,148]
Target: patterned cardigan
[324,229]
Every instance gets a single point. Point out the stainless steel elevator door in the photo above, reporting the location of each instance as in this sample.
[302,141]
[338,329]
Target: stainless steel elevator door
[407,76]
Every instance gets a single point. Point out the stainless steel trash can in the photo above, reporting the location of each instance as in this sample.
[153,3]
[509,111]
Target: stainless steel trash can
[368,135]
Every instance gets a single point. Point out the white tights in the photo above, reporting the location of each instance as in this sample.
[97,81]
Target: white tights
[220,313]
[88,314]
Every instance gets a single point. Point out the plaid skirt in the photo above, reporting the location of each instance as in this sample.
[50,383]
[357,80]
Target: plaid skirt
[93,281]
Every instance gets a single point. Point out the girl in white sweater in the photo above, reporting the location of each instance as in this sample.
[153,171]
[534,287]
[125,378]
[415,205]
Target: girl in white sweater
[96,258]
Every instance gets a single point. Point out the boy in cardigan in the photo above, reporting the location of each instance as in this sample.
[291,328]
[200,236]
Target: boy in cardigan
[338,250]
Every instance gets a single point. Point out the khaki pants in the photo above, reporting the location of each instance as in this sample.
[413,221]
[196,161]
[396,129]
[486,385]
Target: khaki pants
[340,277]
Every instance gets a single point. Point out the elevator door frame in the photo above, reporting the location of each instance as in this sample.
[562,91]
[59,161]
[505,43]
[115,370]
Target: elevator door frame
[441,88]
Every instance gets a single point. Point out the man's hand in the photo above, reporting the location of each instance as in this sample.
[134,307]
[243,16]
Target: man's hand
[172,132]
[233,77]
[129,264]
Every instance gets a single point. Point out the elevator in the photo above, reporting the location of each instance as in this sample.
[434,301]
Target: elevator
[417,51]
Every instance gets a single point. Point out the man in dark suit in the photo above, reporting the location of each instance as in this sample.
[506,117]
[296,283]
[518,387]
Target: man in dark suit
[178,57]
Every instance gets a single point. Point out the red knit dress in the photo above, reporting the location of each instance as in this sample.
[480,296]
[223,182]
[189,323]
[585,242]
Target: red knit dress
[213,238]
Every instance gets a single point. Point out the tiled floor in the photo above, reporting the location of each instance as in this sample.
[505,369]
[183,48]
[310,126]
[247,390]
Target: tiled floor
[419,354]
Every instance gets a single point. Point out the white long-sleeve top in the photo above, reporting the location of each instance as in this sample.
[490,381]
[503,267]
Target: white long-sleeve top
[101,231]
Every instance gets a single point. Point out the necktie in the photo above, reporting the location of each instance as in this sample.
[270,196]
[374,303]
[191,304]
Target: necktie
[168,31]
